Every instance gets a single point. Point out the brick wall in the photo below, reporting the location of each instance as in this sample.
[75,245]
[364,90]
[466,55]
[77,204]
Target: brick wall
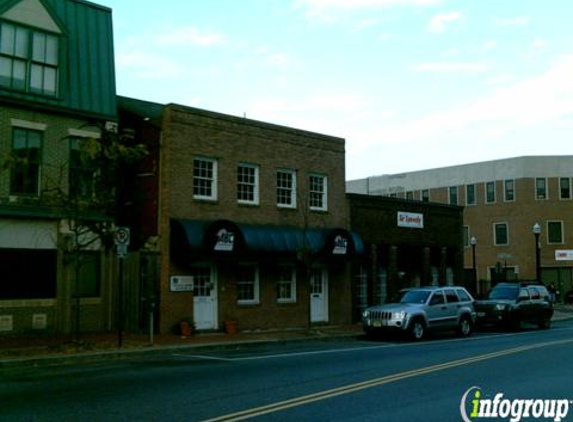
[189,133]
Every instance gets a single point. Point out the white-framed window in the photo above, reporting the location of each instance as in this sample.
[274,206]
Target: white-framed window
[555,232]
[453,195]
[509,190]
[286,284]
[318,192]
[541,188]
[425,195]
[247,184]
[82,173]
[204,178]
[490,192]
[286,188]
[564,188]
[248,284]
[501,234]
[471,194]
[26,170]
[29,59]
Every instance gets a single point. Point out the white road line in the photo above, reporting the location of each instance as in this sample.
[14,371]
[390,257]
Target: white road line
[358,349]
[202,357]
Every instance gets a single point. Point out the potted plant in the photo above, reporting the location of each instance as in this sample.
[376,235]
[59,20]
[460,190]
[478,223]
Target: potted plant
[186,327]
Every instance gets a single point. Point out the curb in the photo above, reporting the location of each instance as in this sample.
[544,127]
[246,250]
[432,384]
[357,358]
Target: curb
[151,351]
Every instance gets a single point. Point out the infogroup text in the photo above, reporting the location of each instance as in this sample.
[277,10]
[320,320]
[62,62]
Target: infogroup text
[475,406]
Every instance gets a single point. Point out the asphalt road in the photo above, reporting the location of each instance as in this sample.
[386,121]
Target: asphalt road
[343,380]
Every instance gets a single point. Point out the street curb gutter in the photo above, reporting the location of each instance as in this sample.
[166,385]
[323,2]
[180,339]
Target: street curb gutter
[151,351]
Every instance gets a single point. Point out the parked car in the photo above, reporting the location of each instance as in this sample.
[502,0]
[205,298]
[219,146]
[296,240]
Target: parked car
[510,304]
[421,309]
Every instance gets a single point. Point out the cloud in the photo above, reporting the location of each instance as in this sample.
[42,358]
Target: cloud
[501,79]
[148,65]
[274,59]
[449,67]
[547,98]
[438,23]
[539,45]
[515,21]
[489,45]
[188,36]
[323,9]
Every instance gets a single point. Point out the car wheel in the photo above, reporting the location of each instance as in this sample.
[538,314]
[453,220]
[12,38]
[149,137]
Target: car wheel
[465,326]
[544,324]
[417,330]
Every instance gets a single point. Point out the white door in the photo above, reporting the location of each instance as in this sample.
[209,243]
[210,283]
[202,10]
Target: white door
[318,295]
[204,298]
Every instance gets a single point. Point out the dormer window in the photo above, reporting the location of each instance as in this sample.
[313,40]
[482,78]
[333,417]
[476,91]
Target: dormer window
[28,60]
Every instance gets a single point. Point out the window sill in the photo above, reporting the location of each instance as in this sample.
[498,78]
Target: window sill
[203,200]
[249,204]
[248,304]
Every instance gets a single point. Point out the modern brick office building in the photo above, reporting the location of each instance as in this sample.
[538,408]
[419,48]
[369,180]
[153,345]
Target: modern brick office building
[503,201]
[251,220]
[57,88]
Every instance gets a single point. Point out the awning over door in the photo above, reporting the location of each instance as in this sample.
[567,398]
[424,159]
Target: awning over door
[229,238]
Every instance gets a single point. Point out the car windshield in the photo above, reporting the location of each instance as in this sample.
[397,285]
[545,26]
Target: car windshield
[503,293]
[415,296]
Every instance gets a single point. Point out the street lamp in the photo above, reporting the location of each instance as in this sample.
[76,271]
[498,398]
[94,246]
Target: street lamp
[473,242]
[537,232]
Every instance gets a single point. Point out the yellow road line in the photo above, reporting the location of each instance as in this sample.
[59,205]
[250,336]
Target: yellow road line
[327,394]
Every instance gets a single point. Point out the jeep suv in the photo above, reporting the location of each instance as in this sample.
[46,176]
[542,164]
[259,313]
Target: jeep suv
[510,304]
[421,309]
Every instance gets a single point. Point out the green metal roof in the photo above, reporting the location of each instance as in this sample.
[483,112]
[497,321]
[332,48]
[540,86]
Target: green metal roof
[87,69]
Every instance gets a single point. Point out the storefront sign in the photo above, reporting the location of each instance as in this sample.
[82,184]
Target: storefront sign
[180,283]
[410,220]
[564,255]
[225,241]
[340,245]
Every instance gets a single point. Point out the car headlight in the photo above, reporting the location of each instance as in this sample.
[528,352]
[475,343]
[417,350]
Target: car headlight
[398,315]
[500,307]
[366,314]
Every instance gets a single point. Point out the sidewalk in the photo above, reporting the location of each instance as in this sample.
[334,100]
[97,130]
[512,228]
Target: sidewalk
[91,347]
[58,350]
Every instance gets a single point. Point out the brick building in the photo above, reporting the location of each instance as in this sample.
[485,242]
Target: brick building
[57,88]
[407,243]
[252,223]
[503,200]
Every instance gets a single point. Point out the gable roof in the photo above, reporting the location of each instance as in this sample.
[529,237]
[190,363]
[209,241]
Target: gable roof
[34,13]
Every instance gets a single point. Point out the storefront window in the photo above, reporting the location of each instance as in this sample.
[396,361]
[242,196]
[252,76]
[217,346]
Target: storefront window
[286,285]
[248,284]
[22,280]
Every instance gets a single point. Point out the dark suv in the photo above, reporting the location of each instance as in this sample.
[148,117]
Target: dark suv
[510,304]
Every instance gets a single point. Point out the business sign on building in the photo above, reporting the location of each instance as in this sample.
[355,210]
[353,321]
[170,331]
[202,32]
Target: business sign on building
[410,220]
[564,255]
[180,283]
[225,241]
[340,245]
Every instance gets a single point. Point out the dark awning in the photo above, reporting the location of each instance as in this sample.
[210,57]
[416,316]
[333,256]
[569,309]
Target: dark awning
[226,237]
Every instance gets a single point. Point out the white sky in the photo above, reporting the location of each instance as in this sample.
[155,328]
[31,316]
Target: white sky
[410,84]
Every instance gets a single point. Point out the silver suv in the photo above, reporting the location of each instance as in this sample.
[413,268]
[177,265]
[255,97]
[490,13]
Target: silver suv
[424,308]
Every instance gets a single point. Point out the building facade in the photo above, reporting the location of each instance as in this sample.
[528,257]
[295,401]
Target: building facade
[57,88]
[252,225]
[503,201]
[407,243]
